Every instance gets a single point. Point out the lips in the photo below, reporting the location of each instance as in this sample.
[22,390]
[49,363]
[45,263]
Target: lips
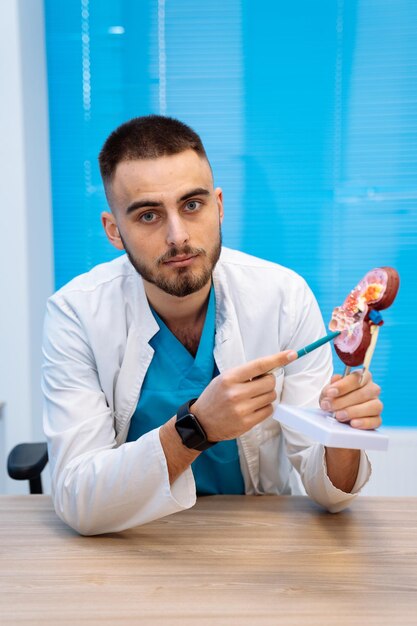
[179,261]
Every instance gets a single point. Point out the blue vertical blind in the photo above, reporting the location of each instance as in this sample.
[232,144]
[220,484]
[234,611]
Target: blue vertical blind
[308,111]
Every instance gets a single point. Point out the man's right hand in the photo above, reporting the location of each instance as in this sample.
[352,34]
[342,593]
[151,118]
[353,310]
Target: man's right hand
[230,405]
[240,398]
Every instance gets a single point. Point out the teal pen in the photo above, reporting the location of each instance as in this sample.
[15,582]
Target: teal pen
[311,347]
[317,344]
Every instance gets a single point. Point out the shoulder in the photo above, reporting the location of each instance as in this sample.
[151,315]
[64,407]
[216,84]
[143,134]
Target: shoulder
[257,273]
[269,301]
[99,276]
[102,281]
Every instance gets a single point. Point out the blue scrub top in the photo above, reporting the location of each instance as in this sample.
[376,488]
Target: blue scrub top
[173,377]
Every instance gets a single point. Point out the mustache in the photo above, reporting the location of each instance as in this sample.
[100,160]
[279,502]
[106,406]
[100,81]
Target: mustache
[185,251]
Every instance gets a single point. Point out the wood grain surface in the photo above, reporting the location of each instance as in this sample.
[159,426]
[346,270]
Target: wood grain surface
[230,560]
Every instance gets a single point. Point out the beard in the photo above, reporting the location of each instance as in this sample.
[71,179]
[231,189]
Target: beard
[185,280]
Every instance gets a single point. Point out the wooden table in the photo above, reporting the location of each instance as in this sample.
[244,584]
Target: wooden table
[241,560]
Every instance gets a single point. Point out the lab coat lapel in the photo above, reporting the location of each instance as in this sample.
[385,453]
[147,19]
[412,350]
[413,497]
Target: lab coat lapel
[228,353]
[136,360]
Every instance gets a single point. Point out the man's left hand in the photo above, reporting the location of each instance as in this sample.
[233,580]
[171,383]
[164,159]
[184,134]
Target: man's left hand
[356,402]
[352,401]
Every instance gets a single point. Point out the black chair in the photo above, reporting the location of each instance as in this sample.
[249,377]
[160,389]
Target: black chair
[26,462]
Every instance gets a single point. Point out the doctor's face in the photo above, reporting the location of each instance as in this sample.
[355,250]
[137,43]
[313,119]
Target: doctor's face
[166,215]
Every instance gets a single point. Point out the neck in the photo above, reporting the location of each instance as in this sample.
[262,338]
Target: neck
[176,311]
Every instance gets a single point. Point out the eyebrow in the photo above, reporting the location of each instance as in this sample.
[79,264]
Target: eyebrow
[140,204]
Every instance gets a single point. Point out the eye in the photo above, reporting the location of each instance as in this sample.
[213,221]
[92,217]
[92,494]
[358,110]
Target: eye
[193,205]
[148,217]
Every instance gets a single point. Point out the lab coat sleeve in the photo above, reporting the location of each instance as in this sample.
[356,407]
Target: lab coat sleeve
[303,382]
[98,486]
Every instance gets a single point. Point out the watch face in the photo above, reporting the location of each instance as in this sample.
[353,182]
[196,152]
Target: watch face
[190,431]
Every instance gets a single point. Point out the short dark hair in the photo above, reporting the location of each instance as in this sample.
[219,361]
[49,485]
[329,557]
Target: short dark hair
[147,137]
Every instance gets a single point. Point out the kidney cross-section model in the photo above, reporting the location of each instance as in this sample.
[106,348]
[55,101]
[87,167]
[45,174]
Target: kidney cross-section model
[354,319]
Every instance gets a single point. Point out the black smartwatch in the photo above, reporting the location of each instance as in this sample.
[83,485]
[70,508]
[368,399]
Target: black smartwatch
[190,430]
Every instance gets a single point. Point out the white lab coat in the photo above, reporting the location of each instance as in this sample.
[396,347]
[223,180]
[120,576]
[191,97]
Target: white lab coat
[96,354]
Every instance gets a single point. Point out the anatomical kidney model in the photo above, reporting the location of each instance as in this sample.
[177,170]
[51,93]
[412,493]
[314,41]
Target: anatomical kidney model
[358,319]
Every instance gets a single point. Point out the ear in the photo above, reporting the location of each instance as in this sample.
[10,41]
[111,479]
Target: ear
[219,199]
[110,228]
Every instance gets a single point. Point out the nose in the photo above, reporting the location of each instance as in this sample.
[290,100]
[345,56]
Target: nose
[177,232]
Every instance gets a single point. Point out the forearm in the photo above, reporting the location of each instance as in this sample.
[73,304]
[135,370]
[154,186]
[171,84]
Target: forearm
[342,467]
[112,489]
[178,456]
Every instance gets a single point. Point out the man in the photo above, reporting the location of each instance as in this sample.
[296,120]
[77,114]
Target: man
[156,365]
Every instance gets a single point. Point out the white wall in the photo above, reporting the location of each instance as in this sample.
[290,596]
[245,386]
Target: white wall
[26,237]
[26,274]
[394,472]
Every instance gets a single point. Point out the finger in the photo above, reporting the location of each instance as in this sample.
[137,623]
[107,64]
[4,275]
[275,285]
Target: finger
[359,411]
[359,396]
[238,393]
[367,423]
[333,390]
[260,415]
[260,385]
[261,366]
[254,404]
[346,384]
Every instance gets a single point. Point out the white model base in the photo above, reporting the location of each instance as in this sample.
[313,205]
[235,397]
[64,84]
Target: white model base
[321,426]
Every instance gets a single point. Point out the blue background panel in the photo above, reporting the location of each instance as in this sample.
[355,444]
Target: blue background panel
[308,112]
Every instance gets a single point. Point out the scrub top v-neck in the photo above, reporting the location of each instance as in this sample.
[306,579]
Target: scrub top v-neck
[173,377]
